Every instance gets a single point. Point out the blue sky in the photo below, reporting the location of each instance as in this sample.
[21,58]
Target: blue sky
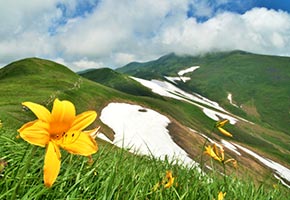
[110,33]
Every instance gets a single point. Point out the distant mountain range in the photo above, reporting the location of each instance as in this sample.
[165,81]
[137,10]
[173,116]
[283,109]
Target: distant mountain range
[193,92]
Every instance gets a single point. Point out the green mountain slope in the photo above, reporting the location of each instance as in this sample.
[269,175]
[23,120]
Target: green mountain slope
[259,84]
[118,81]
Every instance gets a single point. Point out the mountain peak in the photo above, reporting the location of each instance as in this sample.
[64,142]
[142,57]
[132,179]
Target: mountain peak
[33,66]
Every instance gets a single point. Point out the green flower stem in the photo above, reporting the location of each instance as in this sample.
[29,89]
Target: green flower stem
[225,176]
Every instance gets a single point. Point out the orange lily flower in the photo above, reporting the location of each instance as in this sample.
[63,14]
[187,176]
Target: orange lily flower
[60,128]
[218,154]
[221,195]
[214,153]
[170,179]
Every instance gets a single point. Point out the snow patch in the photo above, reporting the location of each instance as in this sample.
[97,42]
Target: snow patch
[280,170]
[144,133]
[185,71]
[174,79]
[103,137]
[156,88]
[231,147]
[229,97]
[167,89]
[218,115]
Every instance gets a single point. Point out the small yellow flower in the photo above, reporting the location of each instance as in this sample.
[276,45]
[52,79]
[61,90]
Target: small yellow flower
[223,131]
[169,179]
[214,153]
[60,128]
[0,124]
[219,126]
[3,164]
[221,123]
[218,154]
[221,195]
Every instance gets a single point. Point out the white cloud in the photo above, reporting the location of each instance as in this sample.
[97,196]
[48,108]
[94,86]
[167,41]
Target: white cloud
[115,32]
[258,30]
[84,64]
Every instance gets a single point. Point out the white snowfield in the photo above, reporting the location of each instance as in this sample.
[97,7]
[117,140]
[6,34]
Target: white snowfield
[142,131]
[230,146]
[180,75]
[185,71]
[180,78]
[167,89]
[230,98]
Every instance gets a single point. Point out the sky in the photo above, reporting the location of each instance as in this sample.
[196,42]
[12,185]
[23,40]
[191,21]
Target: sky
[84,34]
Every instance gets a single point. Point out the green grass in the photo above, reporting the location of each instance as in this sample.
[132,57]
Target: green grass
[114,174]
[118,81]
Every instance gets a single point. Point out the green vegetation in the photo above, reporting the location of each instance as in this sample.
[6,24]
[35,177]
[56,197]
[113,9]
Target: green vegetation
[118,81]
[115,173]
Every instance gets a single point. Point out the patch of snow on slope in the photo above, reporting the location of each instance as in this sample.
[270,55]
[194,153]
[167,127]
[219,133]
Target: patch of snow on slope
[174,79]
[167,89]
[230,146]
[156,88]
[280,170]
[142,132]
[191,69]
[194,97]
[103,137]
[231,100]
[217,115]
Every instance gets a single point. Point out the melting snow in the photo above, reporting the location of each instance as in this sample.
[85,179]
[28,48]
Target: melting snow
[280,170]
[174,79]
[231,100]
[218,115]
[230,146]
[104,137]
[191,69]
[167,89]
[142,132]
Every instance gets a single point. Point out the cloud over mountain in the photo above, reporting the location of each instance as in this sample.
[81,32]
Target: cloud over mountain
[112,33]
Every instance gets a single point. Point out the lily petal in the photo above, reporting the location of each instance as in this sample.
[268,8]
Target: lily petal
[223,131]
[35,132]
[221,195]
[93,133]
[211,153]
[40,111]
[51,164]
[83,120]
[85,145]
[63,111]
[221,123]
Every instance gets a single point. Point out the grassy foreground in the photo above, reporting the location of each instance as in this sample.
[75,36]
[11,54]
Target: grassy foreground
[114,174]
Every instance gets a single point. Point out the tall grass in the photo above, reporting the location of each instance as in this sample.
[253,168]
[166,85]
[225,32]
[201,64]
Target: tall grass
[114,174]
